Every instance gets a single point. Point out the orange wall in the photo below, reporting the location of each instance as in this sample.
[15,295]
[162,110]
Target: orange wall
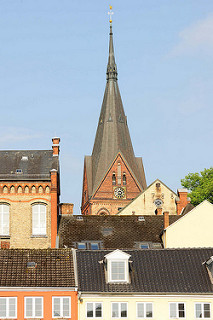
[47,300]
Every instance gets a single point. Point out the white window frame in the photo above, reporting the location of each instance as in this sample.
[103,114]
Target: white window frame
[33,307]
[126,271]
[94,303]
[7,307]
[2,219]
[202,309]
[61,306]
[40,232]
[177,310]
[119,310]
[145,305]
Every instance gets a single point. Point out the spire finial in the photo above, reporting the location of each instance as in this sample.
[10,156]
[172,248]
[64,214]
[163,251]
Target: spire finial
[111,67]
[110,13]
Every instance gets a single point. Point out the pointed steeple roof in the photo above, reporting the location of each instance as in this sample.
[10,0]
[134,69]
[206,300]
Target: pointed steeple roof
[112,135]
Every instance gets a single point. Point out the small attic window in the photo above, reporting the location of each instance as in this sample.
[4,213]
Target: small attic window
[31,265]
[117,266]
[158,185]
[24,158]
[18,170]
[141,218]
[79,218]
[107,231]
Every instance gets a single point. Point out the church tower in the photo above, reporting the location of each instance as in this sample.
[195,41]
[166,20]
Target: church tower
[113,176]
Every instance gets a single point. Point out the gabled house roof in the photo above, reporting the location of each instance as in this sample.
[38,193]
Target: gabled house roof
[179,271]
[36,268]
[114,232]
[32,164]
[156,180]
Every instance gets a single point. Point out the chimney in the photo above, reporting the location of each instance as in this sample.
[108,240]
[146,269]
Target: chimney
[66,208]
[182,200]
[165,219]
[159,211]
[55,146]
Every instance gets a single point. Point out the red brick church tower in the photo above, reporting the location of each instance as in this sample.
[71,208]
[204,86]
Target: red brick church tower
[113,176]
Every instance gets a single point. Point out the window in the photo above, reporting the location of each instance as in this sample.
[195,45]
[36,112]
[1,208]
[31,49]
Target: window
[202,310]
[81,245]
[61,307]
[144,310]
[87,245]
[94,245]
[4,219]
[8,307]
[177,310]
[124,179]
[144,245]
[94,310]
[39,219]
[117,266]
[33,307]
[119,309]
[118,270]
[113,179]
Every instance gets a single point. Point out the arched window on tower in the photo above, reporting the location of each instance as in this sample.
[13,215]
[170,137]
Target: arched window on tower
[124,179]
[113,179]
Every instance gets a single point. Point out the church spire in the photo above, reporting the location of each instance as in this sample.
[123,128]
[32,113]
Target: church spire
[112,140]
[111,67]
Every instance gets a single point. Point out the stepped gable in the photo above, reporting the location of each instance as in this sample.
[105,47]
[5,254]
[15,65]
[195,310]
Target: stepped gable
[112,135]
[170,271]
[32,164]
[111,231]
[36,268]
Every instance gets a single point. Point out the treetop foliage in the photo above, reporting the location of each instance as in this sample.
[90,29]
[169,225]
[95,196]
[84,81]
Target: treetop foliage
[200,186]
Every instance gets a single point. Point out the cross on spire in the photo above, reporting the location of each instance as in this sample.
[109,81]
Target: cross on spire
[110,13]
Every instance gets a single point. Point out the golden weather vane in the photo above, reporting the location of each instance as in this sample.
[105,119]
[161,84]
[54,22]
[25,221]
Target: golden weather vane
[110,13]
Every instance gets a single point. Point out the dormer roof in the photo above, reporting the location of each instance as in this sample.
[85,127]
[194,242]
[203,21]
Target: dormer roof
[117,255]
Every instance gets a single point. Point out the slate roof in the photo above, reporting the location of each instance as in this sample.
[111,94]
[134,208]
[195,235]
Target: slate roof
[112,135]
[125,230]
[187,208]
[35,164]
[153,271]
[54,268]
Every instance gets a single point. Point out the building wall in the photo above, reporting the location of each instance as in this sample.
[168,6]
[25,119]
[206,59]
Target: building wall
[20,197]
[160,305]
[104,200]
[192,230]
[144,203]
[47,301]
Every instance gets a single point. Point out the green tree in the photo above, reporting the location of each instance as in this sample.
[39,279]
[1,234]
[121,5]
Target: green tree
[200,186]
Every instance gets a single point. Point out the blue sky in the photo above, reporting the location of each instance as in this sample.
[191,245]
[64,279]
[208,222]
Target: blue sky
[53,59]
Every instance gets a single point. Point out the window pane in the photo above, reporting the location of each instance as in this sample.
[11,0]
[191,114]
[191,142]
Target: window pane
[140,310]
[198,310]
[98,310]
[38,307]
[81,245]
[94,246]
[172,310]
[144,246]
[118,270]
[123,310]
[66,307]
[12,307]
[181,310]
[149,310]
[89,310]
[3,307]
[29,307]
[206,310]
[115,313]
[56,307]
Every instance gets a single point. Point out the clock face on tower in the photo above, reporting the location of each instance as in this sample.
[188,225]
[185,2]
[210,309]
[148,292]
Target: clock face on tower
[119,193]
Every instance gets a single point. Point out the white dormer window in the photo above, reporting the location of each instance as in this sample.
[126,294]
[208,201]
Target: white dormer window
[117,266]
